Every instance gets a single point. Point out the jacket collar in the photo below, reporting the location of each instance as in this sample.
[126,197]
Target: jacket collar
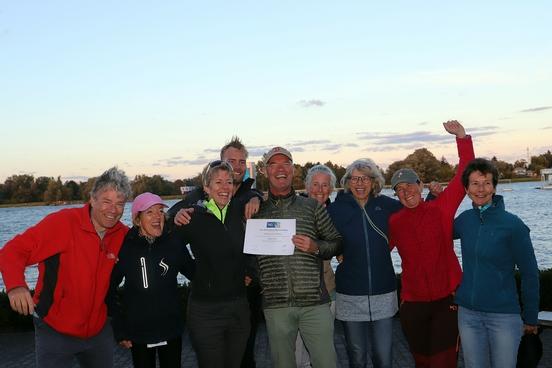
[497,202]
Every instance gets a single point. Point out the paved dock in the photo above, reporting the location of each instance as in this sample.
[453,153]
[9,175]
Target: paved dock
[17,350]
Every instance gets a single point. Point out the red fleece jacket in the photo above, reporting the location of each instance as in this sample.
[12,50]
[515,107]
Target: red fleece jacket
[423,237]
[73,302]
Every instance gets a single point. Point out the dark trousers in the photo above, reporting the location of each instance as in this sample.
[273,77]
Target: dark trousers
[431,329]
[54,349]
[169,355]
[256,311]
[219,331]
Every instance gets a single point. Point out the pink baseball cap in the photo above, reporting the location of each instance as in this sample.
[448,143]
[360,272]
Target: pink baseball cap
[145,201]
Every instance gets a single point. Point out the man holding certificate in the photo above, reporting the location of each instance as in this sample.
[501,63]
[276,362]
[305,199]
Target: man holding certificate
[294,296]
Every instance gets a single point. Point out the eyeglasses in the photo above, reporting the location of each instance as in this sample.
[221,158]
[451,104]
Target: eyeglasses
[363,179]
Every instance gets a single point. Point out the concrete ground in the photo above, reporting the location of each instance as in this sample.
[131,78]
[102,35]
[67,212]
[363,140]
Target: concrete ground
[17,350]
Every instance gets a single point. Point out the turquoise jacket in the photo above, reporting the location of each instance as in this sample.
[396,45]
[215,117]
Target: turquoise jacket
[494,242]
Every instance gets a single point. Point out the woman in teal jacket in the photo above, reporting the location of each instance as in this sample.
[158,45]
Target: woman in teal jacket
[493,243]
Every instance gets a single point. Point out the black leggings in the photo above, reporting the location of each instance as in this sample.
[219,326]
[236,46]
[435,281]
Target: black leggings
[169,355]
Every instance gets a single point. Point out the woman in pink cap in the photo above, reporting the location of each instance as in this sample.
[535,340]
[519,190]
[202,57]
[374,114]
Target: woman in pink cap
[147,313]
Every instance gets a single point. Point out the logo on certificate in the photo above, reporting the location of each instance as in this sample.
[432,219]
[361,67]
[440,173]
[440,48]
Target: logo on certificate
[272,225]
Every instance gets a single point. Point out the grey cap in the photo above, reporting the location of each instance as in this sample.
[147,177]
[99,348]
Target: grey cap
[276,151]
[404,176]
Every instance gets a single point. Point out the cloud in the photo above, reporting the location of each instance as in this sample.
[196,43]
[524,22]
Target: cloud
[482,131]
[388,148]
[547,127]
[535,109]
[404,138]
[311,103]
[75,178]
[311,142]
[201,160]
[423,123]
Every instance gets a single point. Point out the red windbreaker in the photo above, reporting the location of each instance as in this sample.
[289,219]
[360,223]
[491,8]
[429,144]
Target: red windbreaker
[74,269]
[423,237]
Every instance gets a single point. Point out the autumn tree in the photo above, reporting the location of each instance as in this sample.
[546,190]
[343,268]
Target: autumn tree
[540,162]
[505,169]
[53,192]
[423,162]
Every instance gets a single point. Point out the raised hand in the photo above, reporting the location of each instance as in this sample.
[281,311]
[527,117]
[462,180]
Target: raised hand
[454,127]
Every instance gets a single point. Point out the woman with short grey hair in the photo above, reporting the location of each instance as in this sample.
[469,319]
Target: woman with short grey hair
[320,169]
[368,168]
[366,296]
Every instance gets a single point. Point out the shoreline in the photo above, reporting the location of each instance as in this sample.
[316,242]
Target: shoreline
[179,196]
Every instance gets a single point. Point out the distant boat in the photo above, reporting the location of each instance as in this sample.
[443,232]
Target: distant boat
[546,178]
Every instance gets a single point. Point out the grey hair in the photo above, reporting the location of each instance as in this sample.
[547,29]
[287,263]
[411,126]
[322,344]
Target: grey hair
[320,169]
[113,178]
[213,167]
[367,167]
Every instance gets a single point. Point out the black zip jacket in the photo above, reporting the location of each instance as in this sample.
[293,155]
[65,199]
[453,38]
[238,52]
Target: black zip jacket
[221,265]
[148,308]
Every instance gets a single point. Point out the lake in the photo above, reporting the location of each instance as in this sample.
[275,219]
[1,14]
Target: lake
[533,206]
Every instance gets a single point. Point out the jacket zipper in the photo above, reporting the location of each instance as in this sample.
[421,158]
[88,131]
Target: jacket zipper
[369,268]
[476,253]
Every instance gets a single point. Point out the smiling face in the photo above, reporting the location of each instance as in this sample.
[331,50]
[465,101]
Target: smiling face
[237,159]
[480,188]
[279,171]
[152,221]
[320,187]
[360,186]
[220,187]
[410,194]
[107,208]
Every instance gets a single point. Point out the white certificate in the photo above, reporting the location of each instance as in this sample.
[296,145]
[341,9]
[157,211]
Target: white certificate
[269,237]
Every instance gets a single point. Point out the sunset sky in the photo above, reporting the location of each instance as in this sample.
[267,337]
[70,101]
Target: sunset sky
[159,87]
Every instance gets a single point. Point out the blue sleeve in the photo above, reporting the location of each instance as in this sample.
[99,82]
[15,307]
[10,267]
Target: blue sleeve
[524,256]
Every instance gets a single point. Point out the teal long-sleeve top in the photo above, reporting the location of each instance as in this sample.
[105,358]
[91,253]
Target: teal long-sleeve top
[494,242]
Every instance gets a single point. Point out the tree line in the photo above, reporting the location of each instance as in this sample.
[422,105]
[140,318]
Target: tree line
[27,189]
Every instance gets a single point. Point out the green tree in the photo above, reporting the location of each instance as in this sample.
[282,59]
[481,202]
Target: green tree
[422,161]
[504,168]
[71,191]
[20,188]
[446,171]
[39,187]
[54,191]
[540,162]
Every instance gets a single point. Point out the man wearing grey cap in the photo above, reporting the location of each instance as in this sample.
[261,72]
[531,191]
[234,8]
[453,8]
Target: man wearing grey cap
[294,295]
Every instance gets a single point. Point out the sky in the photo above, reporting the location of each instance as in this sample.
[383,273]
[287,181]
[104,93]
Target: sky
[159,87]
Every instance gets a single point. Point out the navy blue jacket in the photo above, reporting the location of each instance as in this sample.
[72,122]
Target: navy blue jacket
[366,268]
[493,243]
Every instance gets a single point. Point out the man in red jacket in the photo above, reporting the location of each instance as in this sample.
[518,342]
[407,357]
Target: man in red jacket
[76,250]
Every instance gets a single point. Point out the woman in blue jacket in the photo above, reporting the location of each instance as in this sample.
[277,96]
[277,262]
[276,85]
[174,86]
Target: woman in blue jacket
[493,243]
[366,297]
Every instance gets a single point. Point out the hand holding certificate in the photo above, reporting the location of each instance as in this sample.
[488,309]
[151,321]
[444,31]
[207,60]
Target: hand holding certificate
[269,237]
